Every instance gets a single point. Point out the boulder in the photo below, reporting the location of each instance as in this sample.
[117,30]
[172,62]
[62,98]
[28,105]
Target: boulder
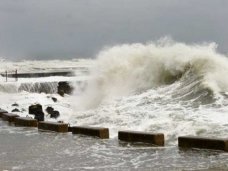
[15,110]
[54,99]
[33,109]
[64,88]
[39,116]
[49,109]
[53,113]
[15,104]
[37,111]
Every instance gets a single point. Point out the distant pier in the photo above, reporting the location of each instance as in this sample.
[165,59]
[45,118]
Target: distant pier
[38,74]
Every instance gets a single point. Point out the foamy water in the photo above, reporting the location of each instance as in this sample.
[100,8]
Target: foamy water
[166,87]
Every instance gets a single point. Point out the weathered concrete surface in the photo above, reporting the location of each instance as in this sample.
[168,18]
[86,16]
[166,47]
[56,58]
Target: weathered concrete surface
[2,111]
[9,117]
[26,121]
[53,126]
[69,129]
[102,133]
[134,136]
[203,142]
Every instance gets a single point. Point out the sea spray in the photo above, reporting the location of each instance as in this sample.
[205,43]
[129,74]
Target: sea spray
[130,69]
[167,87]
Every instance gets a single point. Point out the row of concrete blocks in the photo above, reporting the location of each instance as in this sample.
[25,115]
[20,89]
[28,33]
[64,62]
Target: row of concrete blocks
[128,136]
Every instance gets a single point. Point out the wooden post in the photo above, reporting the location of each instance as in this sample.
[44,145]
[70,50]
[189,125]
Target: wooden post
[6,76]
[16,77]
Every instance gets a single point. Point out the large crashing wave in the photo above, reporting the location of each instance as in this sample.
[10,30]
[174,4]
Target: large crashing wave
[134,68]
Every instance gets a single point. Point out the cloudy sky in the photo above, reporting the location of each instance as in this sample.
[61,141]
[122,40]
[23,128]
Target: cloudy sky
[48,29]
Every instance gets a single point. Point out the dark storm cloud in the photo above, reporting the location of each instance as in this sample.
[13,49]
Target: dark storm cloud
[45,29]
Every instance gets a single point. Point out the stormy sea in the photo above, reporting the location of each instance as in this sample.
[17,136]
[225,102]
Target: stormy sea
[162,87]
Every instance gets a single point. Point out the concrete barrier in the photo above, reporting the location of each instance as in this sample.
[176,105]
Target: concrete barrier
[135,136]
[9,117]
[69,129]
[102,133]
[25,121]
[53,126]
[39,74]
[2,111]
[202,142]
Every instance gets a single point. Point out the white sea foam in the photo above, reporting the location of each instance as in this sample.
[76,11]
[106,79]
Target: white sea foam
[168,87]
[127,69]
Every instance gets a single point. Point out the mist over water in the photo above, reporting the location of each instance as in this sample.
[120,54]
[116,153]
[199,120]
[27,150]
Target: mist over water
[163,86]
[132,69]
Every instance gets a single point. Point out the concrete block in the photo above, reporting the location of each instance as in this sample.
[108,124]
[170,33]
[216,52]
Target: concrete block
[25,121]
[135,136]
[53,126]
[102,133]
[203,142]
[2,111]
[69,129]
[9,117]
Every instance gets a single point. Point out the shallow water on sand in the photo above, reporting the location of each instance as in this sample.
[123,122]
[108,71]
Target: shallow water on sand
[29,149]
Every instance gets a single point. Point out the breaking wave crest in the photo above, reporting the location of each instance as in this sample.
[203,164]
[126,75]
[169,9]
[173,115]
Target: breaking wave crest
[197,70]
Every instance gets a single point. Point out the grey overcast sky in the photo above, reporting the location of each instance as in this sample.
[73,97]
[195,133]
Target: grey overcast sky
[48,29]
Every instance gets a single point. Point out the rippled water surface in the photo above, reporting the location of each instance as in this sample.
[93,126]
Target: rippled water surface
[29,149]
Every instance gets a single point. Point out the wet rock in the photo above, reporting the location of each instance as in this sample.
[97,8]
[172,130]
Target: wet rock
[53,113]
[64,88]
[15,104]
[39,116]
[15,110]
[54,99]
[61,92]
[49,109]
[33,109]
[37,111]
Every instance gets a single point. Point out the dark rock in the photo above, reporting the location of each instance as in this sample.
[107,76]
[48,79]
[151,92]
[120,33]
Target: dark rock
[39,116]
[15,110]
[33,109]
[49,110]
[61,92]
[55,114]
[54,99]
[64,88]
[15,104]
[37,111]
